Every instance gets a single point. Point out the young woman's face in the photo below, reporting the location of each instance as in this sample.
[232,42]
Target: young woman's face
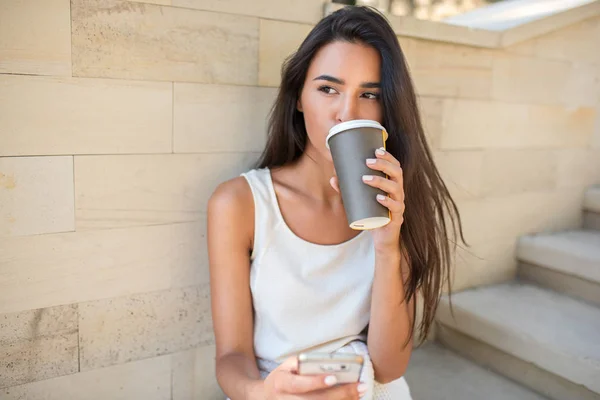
[342,84]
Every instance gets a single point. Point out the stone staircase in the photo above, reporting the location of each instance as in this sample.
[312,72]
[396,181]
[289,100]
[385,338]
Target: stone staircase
[541,331]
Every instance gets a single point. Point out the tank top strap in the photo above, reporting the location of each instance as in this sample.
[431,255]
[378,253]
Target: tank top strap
[266,215]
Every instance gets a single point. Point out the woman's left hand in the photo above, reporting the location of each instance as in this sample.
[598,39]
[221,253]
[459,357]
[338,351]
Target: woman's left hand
[387,237]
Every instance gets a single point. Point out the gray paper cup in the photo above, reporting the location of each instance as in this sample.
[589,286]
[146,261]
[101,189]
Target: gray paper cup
[351,143]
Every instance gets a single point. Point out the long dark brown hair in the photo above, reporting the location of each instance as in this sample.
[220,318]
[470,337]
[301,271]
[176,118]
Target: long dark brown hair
[429,208]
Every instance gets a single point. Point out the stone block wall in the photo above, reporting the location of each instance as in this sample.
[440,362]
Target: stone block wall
[118,119]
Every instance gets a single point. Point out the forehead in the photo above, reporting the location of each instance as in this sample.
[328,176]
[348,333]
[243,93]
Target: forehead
[346,60]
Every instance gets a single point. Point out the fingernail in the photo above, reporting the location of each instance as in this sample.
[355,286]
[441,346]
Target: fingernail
[362,388]
[367,177]
[380,151]
[380,197]
[371,160]
[330,380]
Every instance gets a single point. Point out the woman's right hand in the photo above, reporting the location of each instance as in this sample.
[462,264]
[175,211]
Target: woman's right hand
[284,383]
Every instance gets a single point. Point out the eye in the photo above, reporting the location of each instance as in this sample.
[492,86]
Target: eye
[371,96]
[327,90]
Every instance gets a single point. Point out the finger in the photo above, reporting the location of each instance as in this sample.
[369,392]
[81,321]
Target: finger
[392,170]
[300,384]
[395,206]
[394,189]
[383,154]
[334,184]
[290,364]
[341,392]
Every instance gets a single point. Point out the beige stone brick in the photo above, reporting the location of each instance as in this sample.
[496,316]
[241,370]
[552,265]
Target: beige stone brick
[484,264]
[278,40]
[479,215]
[430,54]
[494,218]
[194,375]
[306,11]
[596,135]
[453,83]
[461,172]
[408,46]
[509,171]
[529,80]
[36,195]
[443,69]
[47,270]
[159,2]
[431,109]
[210,118]
[573,43]
[578,168]
[117,39]
[562,126]
[38,344]
[190,258]
[35,37]
[136,190]
[119,330]
[42,115]
[147,379]
[583,85]
[526,48]
[560,210]
[481,124]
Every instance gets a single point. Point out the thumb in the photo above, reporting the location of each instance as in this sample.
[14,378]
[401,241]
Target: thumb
[290,364]
[334,184]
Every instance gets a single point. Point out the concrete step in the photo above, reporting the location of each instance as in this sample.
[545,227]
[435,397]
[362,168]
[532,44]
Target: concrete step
[567,262]
[591,208]
[437,373]
[545,340]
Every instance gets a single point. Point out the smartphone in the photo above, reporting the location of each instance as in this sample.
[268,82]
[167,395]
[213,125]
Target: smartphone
[346,367]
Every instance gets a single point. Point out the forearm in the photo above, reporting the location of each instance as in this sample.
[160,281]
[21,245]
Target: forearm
[239,377]
[390,323]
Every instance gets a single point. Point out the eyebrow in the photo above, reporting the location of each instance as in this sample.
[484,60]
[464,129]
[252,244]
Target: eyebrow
[329,78]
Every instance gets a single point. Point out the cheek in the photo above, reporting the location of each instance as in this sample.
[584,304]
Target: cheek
[316,119]
[379,115]
[374,112]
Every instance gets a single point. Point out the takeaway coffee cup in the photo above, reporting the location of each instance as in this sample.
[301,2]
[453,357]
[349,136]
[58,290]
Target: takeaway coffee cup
[351,143]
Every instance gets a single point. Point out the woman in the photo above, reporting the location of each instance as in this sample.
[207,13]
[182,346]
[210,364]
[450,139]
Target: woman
[287,273]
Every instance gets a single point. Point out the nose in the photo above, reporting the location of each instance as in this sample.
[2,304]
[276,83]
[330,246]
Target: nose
[347,110]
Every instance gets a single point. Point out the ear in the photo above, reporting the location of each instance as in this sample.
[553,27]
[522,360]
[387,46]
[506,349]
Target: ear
[299,105]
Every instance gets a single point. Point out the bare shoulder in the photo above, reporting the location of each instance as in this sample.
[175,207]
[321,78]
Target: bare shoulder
[234,193]
[231,209]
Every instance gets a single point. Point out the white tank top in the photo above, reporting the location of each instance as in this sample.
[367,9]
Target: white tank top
[306,296]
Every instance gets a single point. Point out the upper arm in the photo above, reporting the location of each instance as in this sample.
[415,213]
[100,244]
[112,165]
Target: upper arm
[230,233]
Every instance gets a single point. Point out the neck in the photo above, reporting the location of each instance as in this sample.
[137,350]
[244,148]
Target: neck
[312,173]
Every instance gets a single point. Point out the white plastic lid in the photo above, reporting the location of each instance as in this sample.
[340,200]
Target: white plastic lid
[353,124]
